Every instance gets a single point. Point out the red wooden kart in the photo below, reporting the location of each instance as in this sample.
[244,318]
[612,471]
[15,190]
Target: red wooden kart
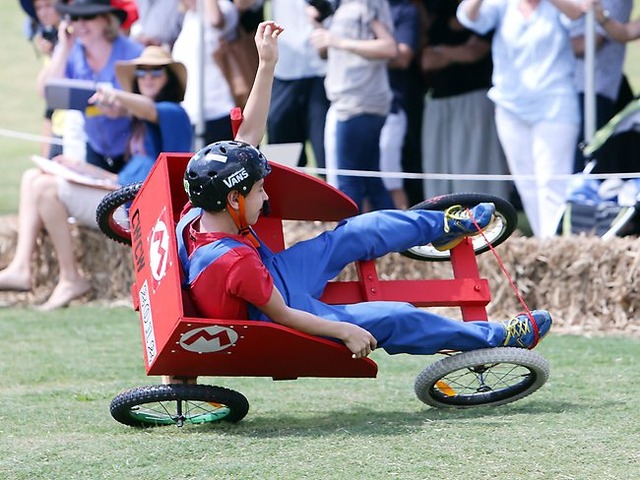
[179,343]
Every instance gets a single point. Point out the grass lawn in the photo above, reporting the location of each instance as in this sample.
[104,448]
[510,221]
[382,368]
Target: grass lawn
[59,371]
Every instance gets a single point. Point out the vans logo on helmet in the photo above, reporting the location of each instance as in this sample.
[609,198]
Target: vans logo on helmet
[236,177]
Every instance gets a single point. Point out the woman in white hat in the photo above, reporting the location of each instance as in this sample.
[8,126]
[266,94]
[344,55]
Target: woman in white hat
[153,87]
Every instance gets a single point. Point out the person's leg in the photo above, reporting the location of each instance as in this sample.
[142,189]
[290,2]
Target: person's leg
[553,149]
[287,119]
[317,107]
[391,143]
[412,150]
[347,159]
[331,159]
[307,266]
[18,275]
[377,194]
[437,134]
[400,327]
[71,284]
[403,328]
[517,143]
[357,147]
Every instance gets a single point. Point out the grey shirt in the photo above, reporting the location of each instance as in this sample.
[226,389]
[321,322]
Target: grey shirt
[356,85]
[159,19]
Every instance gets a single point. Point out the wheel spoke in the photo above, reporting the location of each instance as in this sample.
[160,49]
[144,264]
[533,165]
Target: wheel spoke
[492,376]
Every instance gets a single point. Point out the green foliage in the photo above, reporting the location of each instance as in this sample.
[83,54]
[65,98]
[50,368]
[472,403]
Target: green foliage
[60,370]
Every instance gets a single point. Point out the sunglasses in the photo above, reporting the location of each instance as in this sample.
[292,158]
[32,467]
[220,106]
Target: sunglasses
[154,72]
[86,18]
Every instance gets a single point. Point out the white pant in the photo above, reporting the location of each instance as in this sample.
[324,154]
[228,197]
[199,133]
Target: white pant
[391,143]
[542,150]
[330,157]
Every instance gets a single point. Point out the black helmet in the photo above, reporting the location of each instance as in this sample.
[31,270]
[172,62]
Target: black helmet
[221,167]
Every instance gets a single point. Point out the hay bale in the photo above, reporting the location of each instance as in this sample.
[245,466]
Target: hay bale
[590,285]
[107,265]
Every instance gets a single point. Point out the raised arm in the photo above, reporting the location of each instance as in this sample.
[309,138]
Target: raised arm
[256,110]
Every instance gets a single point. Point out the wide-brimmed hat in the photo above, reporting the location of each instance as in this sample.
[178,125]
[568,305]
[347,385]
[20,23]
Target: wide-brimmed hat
[152,56]
[86,8]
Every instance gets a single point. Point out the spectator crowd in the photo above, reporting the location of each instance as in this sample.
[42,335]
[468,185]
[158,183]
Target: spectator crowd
[470,88]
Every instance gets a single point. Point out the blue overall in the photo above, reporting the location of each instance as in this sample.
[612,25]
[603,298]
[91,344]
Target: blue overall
[302,271]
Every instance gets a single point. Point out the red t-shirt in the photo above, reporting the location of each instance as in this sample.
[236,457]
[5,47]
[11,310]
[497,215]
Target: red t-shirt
[237,277]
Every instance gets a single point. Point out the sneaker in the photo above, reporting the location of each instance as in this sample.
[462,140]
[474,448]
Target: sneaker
[519,330]
[458,224]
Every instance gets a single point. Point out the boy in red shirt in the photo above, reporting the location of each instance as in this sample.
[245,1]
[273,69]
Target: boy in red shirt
[229,273]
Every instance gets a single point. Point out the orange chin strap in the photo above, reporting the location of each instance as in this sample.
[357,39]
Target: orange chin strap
[240,219]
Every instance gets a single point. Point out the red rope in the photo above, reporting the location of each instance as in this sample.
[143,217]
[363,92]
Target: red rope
[527,311]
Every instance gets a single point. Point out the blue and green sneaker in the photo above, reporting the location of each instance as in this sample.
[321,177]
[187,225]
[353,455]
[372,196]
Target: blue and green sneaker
[519,331]
[458,224]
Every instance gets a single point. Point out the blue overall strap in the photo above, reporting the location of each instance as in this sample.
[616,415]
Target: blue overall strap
[183,255]
[203,256]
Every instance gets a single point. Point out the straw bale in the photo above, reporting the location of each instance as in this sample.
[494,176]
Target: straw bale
[107,265]
[590,285]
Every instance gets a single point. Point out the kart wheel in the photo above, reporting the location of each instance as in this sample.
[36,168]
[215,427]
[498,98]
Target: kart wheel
[178,404]
[487,377]
[501,227]
[112,214]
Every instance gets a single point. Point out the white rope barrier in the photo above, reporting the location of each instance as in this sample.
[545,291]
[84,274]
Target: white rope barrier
[29,137]
[458,176]
[362,173]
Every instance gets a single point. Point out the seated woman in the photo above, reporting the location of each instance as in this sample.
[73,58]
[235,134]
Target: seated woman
[153,87]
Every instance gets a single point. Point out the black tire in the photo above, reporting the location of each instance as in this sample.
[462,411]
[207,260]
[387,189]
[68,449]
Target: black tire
[501,227]
[487,377]
[177,404]
[117,229]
